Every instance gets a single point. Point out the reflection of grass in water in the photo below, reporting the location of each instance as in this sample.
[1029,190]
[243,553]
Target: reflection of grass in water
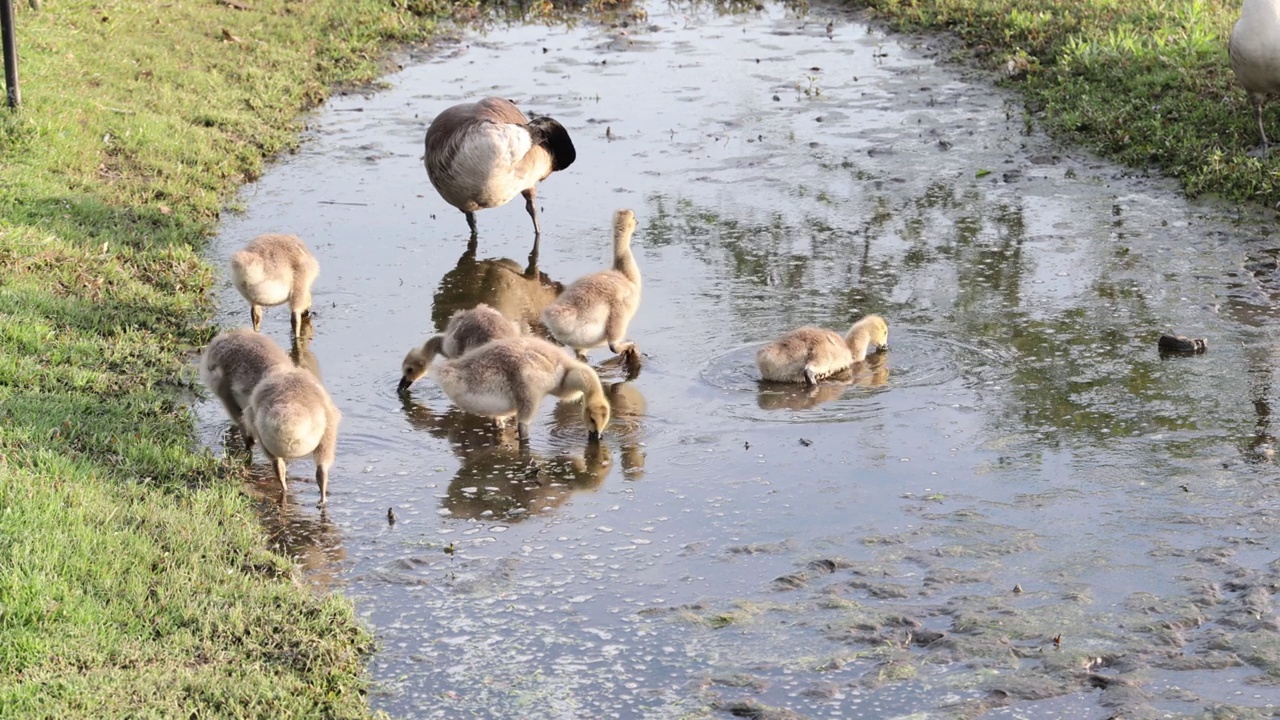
[571,12]
[1091,68]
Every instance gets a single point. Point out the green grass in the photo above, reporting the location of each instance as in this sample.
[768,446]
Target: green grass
[134,577]
[1146,82]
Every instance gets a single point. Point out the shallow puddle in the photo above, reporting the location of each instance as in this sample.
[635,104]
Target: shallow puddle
[1021,509]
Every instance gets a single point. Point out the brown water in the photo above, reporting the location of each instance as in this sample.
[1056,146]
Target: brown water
[1023,465]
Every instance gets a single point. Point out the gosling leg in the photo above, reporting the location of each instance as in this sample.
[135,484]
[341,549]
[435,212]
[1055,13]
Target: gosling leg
[526,409]
[322,480]
[284,485]
[810,378]
[255,314]
[630,356]
[248,437]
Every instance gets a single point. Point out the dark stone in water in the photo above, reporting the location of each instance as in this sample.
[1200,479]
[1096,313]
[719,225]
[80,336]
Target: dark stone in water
[826,566]
[794,581]
[927,637]
[741,680]
[756,710]
[822,690]
[1182,344]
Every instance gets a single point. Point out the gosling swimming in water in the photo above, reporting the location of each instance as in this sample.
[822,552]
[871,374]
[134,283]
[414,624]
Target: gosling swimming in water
[467,330]
[231,367]
[596,309]
[291,415]
[809,354]
[510,377]
[275,269]
[481,155]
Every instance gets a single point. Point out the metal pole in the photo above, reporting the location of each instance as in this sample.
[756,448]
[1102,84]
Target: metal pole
[10,53]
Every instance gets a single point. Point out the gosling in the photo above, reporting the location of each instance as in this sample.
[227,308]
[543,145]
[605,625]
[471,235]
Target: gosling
[596,309]
[466,330]
[810,354]
[480,155]
[233,364]
[1254,48]
[510,377]
[291,415]
[272,270]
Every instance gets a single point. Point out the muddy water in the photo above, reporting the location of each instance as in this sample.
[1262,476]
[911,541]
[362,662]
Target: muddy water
[1021,510]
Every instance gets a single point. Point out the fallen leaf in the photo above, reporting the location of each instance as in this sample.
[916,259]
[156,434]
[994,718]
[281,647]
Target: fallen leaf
[228,37]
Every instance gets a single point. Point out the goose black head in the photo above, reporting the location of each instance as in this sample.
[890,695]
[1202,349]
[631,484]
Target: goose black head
[551,135]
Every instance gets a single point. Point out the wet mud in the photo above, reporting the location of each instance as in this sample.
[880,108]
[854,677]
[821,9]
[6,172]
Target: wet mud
[1022,509]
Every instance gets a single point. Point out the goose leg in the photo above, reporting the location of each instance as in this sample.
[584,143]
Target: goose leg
[1266,145]
[532,209]
[533,254]
[471,223]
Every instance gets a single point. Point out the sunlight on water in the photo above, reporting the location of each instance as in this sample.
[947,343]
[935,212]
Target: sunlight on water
[1021,465]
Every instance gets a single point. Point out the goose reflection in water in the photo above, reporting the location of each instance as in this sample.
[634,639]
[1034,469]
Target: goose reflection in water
[301,353]
[308,537]
[519,293]
[870,373]
[496,477]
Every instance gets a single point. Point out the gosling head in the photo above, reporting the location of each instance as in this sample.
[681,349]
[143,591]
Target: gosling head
[595,414]
[414,367]
[418,360]
[624,223]
[878,331]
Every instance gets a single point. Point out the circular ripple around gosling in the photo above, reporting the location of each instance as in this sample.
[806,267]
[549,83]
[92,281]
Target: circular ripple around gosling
[916,359]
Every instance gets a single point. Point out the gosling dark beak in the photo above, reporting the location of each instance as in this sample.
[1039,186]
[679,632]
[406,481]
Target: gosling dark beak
[404,384]
[594,436]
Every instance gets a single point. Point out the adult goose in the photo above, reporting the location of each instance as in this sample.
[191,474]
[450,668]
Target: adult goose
[481,155]
[1254,48]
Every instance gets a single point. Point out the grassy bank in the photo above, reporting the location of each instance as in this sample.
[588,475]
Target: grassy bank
[133,575]
[1146,82]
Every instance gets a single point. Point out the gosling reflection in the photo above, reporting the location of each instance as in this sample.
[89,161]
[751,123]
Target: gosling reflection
[519,293]
[627,408]
[500,479]
[301,352]
[310,539]
[512,483]
[872,372]
[463,431]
